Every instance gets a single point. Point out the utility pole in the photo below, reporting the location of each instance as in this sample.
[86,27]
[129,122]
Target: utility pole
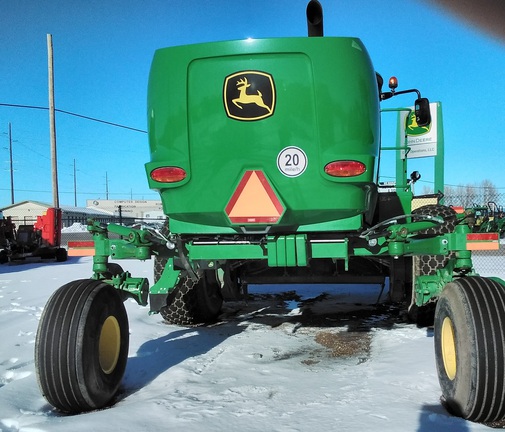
[11,164]
[106,186]
[75,188]
[52,121]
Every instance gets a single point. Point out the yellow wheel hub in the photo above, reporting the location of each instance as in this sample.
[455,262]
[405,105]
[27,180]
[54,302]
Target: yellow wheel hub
[109,345]
[448,345]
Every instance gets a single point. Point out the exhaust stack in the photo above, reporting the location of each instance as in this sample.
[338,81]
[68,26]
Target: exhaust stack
[315,18]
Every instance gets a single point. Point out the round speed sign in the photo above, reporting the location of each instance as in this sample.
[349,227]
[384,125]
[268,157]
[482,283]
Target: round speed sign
[292,161]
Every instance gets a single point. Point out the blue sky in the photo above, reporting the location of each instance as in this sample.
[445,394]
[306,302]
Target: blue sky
[103,50]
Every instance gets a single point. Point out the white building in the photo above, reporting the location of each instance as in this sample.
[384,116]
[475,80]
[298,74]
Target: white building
[26,212]
[131,209]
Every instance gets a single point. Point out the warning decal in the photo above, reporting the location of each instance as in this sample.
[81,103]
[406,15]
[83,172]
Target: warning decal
[254,201]
[482,241]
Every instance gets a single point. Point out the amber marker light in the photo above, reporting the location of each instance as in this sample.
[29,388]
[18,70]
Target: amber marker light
[345,168]
[393,83]
[168,174]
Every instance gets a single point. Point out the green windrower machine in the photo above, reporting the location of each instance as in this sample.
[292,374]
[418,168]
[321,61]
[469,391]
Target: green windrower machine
[266,156]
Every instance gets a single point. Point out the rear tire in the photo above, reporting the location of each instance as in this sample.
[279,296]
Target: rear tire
[81,347]
[192,303]
[470,348]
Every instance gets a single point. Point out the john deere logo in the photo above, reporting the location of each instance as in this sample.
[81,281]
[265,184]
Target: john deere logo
[249,95]
[412,128]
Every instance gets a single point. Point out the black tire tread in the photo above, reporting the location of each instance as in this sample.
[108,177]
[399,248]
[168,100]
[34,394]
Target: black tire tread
[483,301]
[57,343]
[189,303]
[181,304]
[487,301]
[446,213]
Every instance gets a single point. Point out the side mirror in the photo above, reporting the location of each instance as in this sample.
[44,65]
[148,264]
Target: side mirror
[422,111]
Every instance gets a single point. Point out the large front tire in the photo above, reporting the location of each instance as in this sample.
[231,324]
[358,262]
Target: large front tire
[81,346]
[470,348]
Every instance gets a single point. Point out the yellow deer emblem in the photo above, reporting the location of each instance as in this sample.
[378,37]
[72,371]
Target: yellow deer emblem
[245,98]
[412,123]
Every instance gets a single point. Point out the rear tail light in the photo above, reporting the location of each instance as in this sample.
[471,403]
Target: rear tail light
[345,168]
[168,174]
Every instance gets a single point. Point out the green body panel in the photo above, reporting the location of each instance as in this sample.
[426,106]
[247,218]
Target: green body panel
[326,103]
[352,223]
[232,115]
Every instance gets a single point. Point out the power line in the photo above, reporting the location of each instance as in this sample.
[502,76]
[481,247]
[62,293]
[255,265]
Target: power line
[75,115]
[95,193]
[451,185]
[100,121]
[33,151]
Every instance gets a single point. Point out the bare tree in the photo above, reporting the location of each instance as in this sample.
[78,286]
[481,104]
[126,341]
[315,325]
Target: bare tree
[427,190]
[489,192]
[470,196]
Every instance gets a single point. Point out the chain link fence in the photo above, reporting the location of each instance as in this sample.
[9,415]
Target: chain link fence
[489,217]
[490,263]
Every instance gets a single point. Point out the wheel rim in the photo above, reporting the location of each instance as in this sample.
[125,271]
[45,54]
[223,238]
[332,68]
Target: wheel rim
[448,345]
[109,345]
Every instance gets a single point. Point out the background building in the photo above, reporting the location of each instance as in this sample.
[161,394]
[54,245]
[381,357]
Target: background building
[26,212]
[148,210]
[118,211]
[74,219]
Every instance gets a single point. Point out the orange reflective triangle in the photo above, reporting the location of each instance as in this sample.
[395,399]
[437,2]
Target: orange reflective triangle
[254,201]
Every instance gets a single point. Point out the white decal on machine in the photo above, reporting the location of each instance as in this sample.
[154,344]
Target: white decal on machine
[292,161]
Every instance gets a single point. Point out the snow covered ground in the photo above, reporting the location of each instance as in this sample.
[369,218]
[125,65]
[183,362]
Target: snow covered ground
[269,365]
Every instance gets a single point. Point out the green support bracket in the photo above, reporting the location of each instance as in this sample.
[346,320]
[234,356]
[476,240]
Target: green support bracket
[225,251]
[137,288]
[167,280]
[290,252]
[429,287]
[403,241]
[287,251]
[133,244]
[301,250]
[338,249]
[166,283]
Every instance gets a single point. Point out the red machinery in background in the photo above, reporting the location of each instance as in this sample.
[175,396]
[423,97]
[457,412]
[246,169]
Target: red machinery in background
[40,240]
